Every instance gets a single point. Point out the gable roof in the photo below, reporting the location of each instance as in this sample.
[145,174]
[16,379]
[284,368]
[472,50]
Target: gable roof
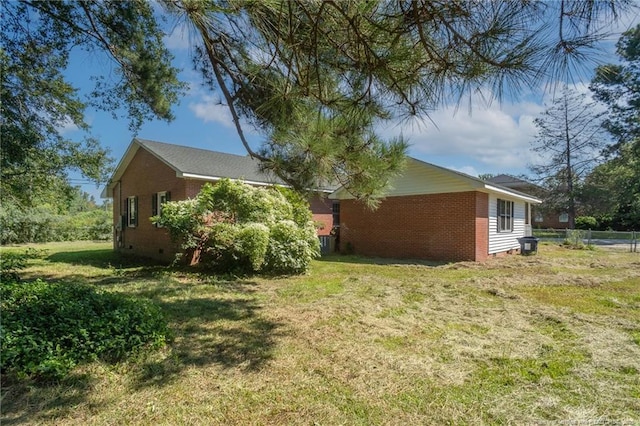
[196,163]
[421,178]
[514,182]
[202,163]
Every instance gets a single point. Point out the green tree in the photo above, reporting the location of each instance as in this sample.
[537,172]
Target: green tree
[618,87]
[315,77]
[37,102]
[613,189]
[611,192]
[569,138]
[318,77]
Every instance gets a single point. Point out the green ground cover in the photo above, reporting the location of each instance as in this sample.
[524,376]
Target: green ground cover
[520,340]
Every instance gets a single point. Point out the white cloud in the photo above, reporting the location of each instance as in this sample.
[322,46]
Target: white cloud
[67,126]
[209,109]
[469,170]
[489,137]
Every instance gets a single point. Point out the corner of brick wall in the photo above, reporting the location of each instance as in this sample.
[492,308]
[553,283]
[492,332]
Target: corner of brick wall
[442,227]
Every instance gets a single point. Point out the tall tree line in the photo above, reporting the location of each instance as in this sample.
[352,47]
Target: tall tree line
[591,149]
[613,188]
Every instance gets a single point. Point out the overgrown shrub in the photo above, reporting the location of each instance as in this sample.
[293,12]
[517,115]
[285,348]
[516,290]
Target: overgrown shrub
[49,328]
[236,227]
[252,244]
[586,222]
[291,248]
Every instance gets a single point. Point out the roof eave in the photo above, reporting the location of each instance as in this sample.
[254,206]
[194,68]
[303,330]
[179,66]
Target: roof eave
[512,193]
[217,178]
[120,168]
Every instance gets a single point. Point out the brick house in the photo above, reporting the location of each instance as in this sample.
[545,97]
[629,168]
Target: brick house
[541,217]
[434,213]
[151,173]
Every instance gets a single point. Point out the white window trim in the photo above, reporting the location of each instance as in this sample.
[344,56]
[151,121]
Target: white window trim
[159,203]
[508,216]
[132,202]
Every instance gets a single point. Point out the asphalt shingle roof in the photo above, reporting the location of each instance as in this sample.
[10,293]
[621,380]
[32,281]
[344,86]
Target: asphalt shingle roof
[203,162]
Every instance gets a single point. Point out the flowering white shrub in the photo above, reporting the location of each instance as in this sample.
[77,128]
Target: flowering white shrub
[232,226]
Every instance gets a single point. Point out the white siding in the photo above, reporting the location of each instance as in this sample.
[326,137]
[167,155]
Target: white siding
[503,241]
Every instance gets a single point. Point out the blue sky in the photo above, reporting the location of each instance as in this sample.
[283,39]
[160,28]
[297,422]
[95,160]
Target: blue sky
[473,138]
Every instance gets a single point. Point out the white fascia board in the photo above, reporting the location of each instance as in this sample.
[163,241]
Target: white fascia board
[249,182]
[217,178]
[527,198]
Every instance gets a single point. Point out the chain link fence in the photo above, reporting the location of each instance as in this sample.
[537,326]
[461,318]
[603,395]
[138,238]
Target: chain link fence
[627,239]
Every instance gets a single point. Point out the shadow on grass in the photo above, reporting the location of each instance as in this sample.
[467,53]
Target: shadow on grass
[226,331]
[229,333]
[215,321]
[27,403]
[103,258]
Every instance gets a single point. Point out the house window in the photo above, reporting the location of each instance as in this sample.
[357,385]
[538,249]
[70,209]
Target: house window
[564,217]
[538,217]
[157,200]
[505,216]
[132,212]
[336,213]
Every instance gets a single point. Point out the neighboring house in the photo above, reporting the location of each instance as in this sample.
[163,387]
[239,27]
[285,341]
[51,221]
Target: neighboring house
[542,217]
[434,213]
[151,173]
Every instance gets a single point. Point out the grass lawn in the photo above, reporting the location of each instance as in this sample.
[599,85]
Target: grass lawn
[517,340]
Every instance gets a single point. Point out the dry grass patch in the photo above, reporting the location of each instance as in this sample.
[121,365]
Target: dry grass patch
[513,340]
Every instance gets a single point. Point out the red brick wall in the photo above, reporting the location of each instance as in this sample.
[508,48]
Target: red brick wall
[145,176]
[482,226]
[550,220]
[193,187]
[322,212]
[449,227]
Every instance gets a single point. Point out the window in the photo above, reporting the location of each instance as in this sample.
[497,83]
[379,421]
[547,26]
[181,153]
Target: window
[132,212]
[538,217]
[505,216]
[564,217]
[336,213]
[157,200]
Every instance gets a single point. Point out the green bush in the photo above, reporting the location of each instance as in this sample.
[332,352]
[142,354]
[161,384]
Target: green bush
[252,244]
[243,229]
[291,248]
[41,224]
[586,222]
[49,328]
